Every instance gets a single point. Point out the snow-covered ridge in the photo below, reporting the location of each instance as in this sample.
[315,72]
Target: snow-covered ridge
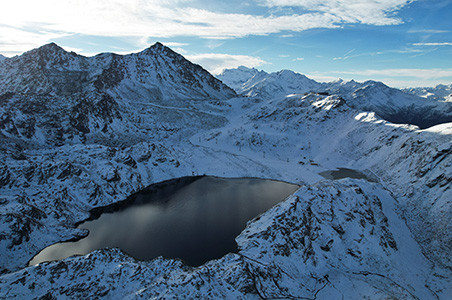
[440,92]
[397,106]
[52,96]
[235,78]
[51,70]
[71,143]
[254,83]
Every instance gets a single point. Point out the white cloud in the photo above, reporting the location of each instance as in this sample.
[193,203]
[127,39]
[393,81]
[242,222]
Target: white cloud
[15,41]
[346,55]
[375,12]
[217,62]
[398,83]
[142,19]
[179,50]
[174,44]
[298,59]
[212,44]
[76,50]
[149,18]
[433,44]
[427,31]
[414,73]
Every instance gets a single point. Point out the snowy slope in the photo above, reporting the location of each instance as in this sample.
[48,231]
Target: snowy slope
[331,239]
[253,83]
[319,130]
[235,78]
[391,104]
[440,92]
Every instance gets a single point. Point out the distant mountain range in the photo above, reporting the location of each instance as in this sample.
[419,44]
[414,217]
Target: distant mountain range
[394,105]
[440,92]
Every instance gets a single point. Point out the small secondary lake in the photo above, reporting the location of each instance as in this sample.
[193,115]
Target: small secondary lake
[194,219]
[347,173]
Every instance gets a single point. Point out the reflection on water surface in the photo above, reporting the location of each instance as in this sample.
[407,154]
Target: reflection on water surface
[196,220]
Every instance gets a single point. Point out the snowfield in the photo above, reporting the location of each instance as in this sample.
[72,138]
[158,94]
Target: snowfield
[129,121]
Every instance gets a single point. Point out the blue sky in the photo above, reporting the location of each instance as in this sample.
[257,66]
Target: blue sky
[400,42]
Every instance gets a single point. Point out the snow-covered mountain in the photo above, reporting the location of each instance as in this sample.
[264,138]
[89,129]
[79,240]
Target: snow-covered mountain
[254,83]
[161,74]
[391,104]
[50,96]
[440,92]
[102,132]
[235,78]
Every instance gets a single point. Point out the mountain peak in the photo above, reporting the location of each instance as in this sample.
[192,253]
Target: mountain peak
[60,72]
[244,68]
[51,47]
[285,71]
[373,83]
[49,52]
[289,74]
[158,49]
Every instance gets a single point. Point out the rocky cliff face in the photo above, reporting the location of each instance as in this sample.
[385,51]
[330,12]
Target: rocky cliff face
[105,127]
[50,96]
[51,70]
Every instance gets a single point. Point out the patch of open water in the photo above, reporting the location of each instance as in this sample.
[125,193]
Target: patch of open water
[347,173]
[195,219]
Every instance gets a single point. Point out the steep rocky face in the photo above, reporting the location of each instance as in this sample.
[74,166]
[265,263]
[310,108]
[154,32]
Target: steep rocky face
[45,70]
[53,120]
[51,70]
[50,96]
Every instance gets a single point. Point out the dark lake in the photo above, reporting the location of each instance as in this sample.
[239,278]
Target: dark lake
[195,219]
[347,173]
